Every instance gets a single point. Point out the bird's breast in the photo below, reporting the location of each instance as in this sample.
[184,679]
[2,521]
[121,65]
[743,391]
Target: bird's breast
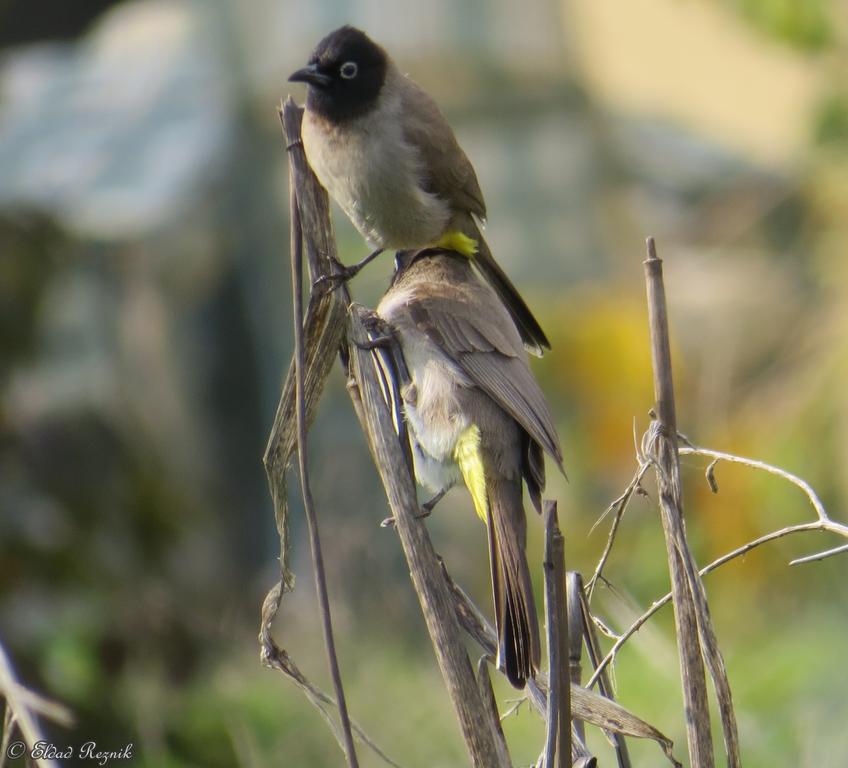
[436,417]
[375,176]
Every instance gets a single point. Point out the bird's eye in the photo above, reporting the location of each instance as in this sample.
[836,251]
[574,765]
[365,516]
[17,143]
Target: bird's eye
[348,70]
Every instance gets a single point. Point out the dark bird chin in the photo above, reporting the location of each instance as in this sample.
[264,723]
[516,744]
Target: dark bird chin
[339,103]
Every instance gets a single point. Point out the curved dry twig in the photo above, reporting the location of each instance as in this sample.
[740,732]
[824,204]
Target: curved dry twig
[738,552]
[274,657]
[689,448]
[820,555]
[618,506]
[825,522]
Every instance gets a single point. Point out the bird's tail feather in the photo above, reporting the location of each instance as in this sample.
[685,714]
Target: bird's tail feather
[515,608]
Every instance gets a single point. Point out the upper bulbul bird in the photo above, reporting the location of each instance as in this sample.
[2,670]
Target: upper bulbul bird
[475,414]
[386,154]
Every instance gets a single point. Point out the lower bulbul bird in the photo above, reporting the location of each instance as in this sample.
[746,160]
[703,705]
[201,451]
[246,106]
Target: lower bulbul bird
[386,154]
[476,415]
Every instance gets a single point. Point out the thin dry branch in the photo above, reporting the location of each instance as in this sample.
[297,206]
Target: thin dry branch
[305,486]
[820,555]
[605,687]
[487,694]
[22,706]
[667,463]
[558,738]
[574,592]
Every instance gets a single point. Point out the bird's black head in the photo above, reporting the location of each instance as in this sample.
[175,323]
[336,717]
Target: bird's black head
[344,75]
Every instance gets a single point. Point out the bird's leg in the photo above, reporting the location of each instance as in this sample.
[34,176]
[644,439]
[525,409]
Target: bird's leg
[427,506]
[344,273]
[425,511]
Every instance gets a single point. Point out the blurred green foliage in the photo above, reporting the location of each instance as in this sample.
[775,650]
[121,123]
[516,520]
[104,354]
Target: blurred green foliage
[29,244]
[803,24]
[830,127]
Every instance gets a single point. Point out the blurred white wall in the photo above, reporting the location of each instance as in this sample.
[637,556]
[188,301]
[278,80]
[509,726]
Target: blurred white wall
[699,65]
[115,134]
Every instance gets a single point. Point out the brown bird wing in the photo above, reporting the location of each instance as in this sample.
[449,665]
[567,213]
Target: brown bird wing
[481,338]
[447,172]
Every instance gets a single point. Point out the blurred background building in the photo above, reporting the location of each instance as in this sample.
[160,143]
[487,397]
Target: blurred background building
[145,310]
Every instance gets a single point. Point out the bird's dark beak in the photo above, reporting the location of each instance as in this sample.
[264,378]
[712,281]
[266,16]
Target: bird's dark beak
[311,76]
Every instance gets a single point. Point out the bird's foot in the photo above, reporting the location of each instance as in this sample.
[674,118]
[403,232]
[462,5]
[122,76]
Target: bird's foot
[380,333]
[339,276]
[382,336]
[343,274]
[422,513]
[425,511]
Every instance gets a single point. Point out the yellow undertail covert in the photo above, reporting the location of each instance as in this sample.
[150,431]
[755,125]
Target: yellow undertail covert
[456,241]
[468,457]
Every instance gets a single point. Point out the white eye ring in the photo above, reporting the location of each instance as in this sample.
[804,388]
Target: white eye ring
[348,70]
